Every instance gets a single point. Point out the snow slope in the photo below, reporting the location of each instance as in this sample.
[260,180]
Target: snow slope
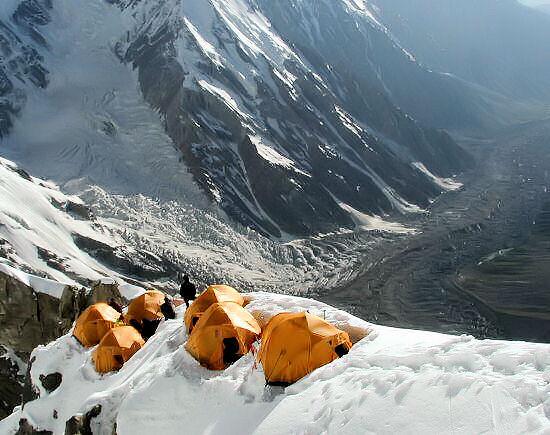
[33,219]
[149,239]
[392,381]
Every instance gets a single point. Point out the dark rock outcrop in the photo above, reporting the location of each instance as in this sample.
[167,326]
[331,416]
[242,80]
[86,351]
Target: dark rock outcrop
[11,383]
[140,264]
[51,381]
[27,319]
[25,428]
[104,291]
[81,424]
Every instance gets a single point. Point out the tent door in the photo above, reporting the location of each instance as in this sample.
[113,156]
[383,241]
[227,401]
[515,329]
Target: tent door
[341,350]
[230,350]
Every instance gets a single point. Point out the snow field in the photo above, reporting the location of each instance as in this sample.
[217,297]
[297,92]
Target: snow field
[392,381]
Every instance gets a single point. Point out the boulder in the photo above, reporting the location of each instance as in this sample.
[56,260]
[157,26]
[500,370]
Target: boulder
[81,424]
[25,428]
[103,291]
[11,383]
[51,381]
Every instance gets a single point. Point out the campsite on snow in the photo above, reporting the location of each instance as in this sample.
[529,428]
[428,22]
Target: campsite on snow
[274,217]
[391,381]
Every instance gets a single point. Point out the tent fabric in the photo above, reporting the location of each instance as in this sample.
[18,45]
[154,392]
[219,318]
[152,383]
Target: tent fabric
[214,331]
[213,294]
[94,322]
[146,306]
[117,347]
[295,344]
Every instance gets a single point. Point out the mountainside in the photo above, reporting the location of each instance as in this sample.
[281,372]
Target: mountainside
[496,45]
[272,135]
[392,381]
[291,116]
[20,60]
[280,142]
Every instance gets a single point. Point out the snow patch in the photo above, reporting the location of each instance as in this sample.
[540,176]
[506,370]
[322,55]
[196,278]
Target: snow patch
[369,223]
[39,285]
[444,183]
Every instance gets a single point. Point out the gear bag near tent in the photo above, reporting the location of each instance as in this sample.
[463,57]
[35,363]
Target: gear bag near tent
[223,334]
[146,307]
[295,344]
[117,347]
[96,321]
[213,294]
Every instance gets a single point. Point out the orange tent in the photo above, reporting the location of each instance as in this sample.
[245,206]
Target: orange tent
[213,294]
[223,334]
[117,347]
[146,306]
[295,344]
[94,323]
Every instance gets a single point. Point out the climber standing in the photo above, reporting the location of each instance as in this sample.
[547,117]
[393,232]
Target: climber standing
[188,290]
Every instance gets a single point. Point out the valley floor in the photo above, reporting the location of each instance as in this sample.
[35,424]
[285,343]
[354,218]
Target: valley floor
[479,262]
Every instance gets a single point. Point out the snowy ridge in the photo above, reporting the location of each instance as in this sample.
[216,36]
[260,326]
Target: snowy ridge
[392,381]
[37,232]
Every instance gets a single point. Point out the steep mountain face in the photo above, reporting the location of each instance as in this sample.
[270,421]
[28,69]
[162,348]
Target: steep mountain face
[291,115]
[283,143]
[499,46]
[20,59]
[368,66]
[276,122]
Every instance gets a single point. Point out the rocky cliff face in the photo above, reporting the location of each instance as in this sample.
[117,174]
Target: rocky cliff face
[29,318]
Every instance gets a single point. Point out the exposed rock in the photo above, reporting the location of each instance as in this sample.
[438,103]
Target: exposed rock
[81,211]
[27,319]
[81,424]
[140,264]
[30,391]
[72,302]
[51,259]
[25,428]
[11,384]
[51,381]
[104,291]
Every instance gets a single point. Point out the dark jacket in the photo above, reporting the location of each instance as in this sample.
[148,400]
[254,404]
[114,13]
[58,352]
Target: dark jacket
[167,309]
[188,290]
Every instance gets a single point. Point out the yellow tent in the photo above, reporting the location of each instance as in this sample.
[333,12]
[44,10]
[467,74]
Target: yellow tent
[94,323]
[295,344]
[223,334]
[212,295]
[117,347]
[146,306]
